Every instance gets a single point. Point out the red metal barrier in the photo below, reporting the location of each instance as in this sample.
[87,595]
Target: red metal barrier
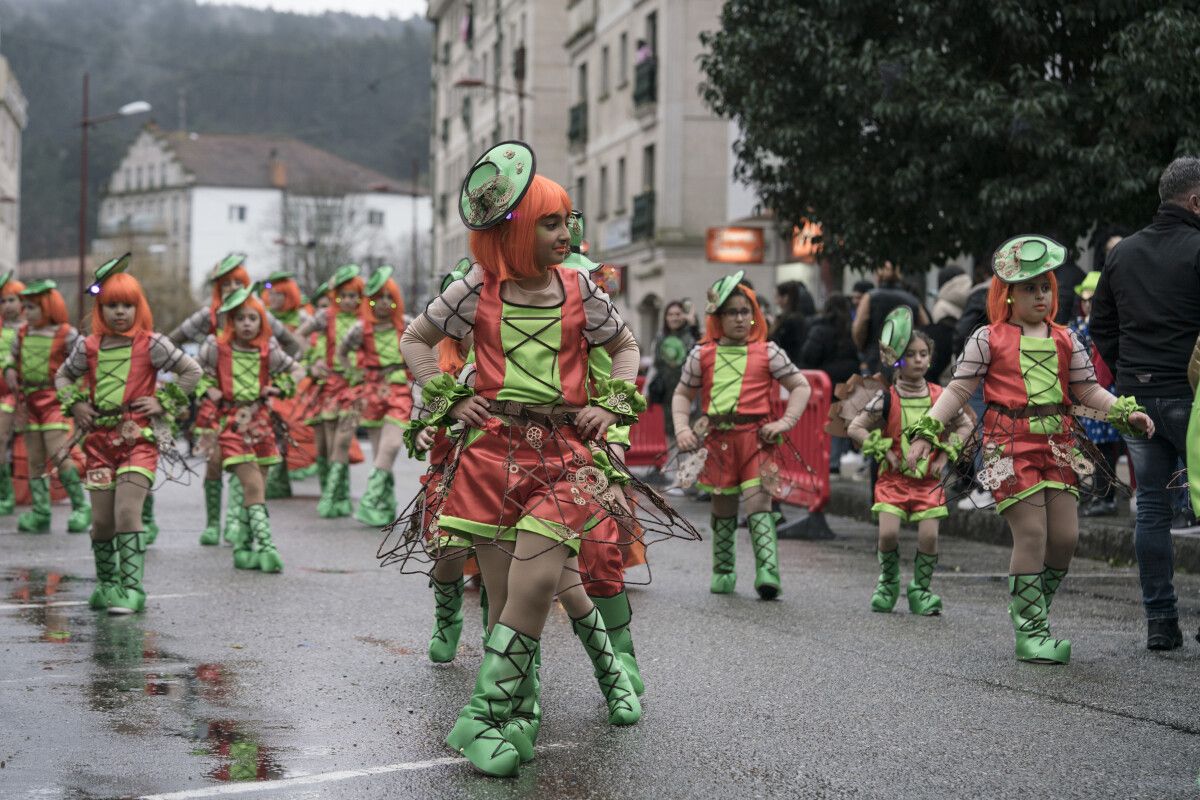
[809,488]
[648,444]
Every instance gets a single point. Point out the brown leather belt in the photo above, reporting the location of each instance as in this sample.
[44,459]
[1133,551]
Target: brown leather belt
[1048,410]
[549,416]
[735,419]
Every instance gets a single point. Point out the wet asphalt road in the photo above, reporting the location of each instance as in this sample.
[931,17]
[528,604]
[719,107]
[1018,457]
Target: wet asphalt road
[315,683]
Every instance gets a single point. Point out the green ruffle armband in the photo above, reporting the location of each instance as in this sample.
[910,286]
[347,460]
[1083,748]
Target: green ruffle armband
[926,428]
[205,383]
[876,446]
[285,383]
[621,398]
[68,396]
[1118,415]
[439,396]
[952,446]
[411,429]
[604,463]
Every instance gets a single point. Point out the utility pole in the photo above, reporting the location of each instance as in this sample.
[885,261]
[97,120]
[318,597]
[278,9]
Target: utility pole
[416,267]
[183,108]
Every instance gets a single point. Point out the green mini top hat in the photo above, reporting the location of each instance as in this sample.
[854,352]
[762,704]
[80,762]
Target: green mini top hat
[895,334]
[719,292]
[228,264]
[576,259]
[1027,256]
[321,288]
[1085,290]
[239,296]
[38,287]
[458,273]
[496,184]
[277,276]
[344,273]
[378,278]
[5,278]
[107,270]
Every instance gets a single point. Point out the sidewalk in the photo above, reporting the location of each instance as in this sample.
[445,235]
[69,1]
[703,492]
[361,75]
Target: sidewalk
[1107,538]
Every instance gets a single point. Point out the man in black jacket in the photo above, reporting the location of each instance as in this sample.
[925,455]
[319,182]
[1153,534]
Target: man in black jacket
[1145,319]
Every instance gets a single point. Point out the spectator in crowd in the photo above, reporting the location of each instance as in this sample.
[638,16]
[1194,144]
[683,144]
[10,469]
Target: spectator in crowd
[953,287]
[1145,320]
[830,349]
[790,327]
[874,307]
[1069,275]
[857,291]
[643,52]
[671,347]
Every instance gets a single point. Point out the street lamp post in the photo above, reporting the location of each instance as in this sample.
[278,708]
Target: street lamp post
[477,83]
[85,122]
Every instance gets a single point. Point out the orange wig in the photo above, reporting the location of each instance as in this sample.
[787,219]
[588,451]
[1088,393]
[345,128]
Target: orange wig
[450,357]
[290,291]
[758,330]
[238,274]
[54,308]
[122,288]
[389,293]
[507,250]
[355,284]
[264,330]
[999,309]
[13,286]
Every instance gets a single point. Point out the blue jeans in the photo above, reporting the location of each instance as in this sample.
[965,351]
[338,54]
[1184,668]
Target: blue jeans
[1155,461]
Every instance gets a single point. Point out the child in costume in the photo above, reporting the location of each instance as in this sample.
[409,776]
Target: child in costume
[226,277]
[11,320]
[281,296]
[381,396]
[120,407]
[731,370]
[312,387]
[525,476]
[1030,367]
[40,347]
[248,368]
[338,420]
[901,494]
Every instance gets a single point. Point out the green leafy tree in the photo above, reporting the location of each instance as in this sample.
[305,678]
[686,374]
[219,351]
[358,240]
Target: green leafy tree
[919,131]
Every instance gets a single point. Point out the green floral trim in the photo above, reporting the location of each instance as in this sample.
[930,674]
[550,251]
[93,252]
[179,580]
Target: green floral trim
[876,446]
[952,446]
[439,395]
[174,402]
[1118,415]
[614,475]
[926,428]
[205,383]
[621,398]
[285,383]
[411,429]
[68,396]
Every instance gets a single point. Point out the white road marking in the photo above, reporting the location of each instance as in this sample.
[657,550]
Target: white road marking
[1073,576]
[65,603]
[228,789]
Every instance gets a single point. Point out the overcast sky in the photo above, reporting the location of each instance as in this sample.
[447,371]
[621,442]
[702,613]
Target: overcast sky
[374,8]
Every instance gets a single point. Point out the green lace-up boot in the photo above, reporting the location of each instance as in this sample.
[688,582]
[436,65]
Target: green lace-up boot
[108,579]
[1051,578]
[149,524]
[342,507]
[766,554]
[887,590]
[81,510]
[212,513]
[617,616]
[724,551]
[327,505]
[623,705]
[322,466]
[237,523]
[523,726]
[244,555]
[7,500]
[279,485]
[267,558]
[477,733]
[130,596]
[483,611]
[920,600]
[374,508]
[447,620]
[1028,612]
[302,473]
[37,519]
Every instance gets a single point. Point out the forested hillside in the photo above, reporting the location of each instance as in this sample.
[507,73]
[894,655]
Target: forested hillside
[356,86]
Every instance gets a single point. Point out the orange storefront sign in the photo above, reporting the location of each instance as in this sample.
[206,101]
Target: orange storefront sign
[735,245]
[806,241]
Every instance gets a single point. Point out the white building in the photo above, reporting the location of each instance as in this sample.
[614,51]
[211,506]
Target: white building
[510,53]
[188,199]
[13,118]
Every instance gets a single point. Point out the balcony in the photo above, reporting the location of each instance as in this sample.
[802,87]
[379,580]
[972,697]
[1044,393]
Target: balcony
[577,127]
[645,83]
[642,226]
[581,19]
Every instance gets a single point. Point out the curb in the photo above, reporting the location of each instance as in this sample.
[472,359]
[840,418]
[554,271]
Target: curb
[1110,541]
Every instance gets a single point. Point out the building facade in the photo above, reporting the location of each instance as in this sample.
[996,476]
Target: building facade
[185,200]
[13,117]
[499,72]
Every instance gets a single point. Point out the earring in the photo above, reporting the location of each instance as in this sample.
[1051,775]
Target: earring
[1009,301]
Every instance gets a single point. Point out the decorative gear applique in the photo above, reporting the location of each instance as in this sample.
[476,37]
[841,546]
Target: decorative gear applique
[535,435]
[997,468]
[591,479]
[691,467]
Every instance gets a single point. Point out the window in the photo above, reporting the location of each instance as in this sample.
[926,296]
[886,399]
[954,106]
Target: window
[623,60]
[603,210]
[620,204]
[604,72]
[138,174]
[648,168]
[583,83]
[580,198]
[375,218]
[237,213]
[127,179]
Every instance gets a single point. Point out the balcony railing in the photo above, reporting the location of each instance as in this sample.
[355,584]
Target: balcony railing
[645,83]
[577,128]
[642,226]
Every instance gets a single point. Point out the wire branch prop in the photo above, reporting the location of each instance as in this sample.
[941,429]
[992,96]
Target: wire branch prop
[546,471]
